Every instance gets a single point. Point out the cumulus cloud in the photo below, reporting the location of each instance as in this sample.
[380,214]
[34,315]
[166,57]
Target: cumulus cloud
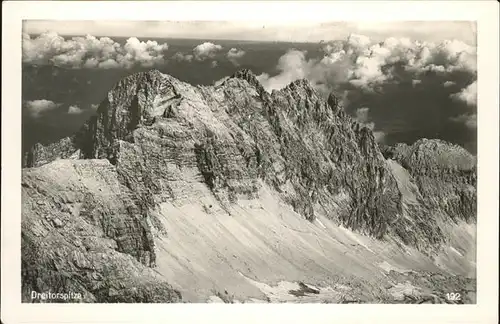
[448,84]
[91,52]
[74,110]
[233,55]
[447,56]
[202,52]
[38,107]
[146,54]
[470,121]
[205,51]
[379,136]
[366,64]
[414,83]
[214,64]
[362,117]
[292,66]
[179,56]
[467,95]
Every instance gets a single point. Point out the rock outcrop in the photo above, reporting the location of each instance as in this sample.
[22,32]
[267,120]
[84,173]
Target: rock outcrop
[310,150]
[445,174]
[83,232]
[159,137]
[443,180]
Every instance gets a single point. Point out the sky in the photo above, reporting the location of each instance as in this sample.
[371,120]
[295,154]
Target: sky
[260,31]
[403,80]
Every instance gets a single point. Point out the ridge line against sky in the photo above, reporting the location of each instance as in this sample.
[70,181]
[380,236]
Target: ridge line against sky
[430,31]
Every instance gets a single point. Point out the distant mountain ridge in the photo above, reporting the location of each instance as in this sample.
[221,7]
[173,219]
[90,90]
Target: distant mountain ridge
[154,139]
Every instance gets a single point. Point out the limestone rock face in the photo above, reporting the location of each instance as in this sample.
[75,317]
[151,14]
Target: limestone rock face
[84,232]
[307,149]
[40,155]
[438,179]
[155,139]
[445,174]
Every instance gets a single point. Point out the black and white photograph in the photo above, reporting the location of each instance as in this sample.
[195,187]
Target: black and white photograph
[231,161]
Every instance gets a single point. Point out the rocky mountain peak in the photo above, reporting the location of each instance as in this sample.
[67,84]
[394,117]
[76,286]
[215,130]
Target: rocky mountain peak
[249,76]
[303,146]
[433,157]
[246,74]
[163,154]
[445,173]
[301,84]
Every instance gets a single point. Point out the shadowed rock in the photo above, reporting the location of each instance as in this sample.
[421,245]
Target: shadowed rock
[152,127]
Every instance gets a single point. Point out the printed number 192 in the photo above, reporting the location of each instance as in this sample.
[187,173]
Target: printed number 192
[453,296]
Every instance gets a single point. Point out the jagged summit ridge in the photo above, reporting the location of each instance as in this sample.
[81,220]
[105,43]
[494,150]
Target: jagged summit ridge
[191,180]
[251,78]
[155,79]
[308,149]
[140,98]
[446,175]
[261,130]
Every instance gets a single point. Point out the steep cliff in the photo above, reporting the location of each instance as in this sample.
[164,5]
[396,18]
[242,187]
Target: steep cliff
[84,232]
[307,149]
[168,143]
[445,174]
